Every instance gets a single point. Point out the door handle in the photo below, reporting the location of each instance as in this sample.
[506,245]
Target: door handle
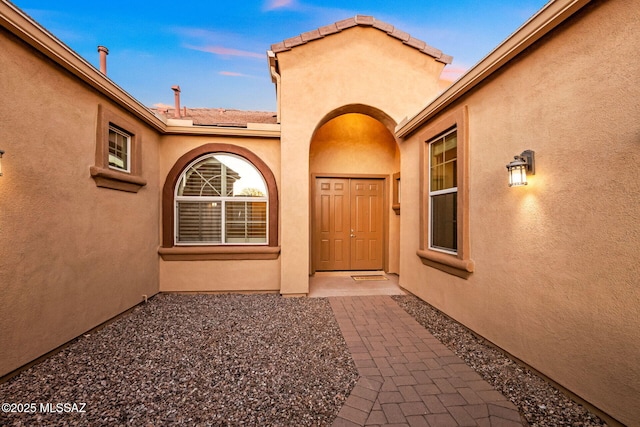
[352,235]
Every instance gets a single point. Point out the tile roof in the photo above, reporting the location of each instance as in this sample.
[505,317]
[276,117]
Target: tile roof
[219,116]
[364,21]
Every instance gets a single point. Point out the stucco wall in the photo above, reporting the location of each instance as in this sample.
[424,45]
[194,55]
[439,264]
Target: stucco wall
[73,255]
[360,66]
[219,275]
[556,271]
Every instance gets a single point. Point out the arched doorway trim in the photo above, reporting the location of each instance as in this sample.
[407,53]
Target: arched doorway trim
[368,110]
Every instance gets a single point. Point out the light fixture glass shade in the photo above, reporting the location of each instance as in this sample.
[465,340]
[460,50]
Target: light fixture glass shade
[517,170]
[519,167]
[517,176]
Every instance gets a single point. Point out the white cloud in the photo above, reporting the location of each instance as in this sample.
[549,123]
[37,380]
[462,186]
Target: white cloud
[233,74]
[278,4]
[226,51]
[452,74]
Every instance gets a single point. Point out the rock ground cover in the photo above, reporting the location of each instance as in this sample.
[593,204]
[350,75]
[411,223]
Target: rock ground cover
[540,403]
[197,360]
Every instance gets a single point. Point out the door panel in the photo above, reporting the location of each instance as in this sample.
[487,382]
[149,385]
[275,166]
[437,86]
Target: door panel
[348,232]
[366,221]
[331,237]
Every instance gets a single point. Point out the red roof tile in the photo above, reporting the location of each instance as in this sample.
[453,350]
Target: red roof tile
[364,21]
[328,29]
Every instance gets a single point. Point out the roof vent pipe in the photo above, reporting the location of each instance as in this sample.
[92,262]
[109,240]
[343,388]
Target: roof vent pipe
[176,92]
[103,59]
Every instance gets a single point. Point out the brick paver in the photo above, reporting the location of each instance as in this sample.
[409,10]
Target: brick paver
[407,377]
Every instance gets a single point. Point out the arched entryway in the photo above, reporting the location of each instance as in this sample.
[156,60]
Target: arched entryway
[352,159]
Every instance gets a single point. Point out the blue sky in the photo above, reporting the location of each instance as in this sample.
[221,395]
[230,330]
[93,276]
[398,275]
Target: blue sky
[216,51]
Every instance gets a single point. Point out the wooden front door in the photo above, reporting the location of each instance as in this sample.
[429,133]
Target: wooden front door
[348,224]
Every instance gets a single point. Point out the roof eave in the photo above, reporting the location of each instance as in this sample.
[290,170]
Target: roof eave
[32,33]
[549,17]
[360,21]
[251,131]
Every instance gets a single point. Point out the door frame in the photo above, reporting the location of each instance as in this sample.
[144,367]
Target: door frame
[385,212]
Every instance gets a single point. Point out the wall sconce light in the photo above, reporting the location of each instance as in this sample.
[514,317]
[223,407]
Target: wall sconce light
[1,153]
[519,167]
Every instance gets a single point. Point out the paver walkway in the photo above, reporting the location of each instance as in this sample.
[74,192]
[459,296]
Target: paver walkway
[407,377]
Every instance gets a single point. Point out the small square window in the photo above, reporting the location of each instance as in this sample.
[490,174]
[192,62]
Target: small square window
[118,163]
[119,149]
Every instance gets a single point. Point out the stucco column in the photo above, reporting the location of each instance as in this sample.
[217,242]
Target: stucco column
[294,211]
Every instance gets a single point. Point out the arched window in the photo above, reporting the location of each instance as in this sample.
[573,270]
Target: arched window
[221,199]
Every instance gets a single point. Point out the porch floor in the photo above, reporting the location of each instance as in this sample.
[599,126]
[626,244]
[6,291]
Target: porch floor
[341,283]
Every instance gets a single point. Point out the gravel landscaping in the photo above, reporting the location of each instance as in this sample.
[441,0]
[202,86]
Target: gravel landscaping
[196,360]
[255,360]
[539,402]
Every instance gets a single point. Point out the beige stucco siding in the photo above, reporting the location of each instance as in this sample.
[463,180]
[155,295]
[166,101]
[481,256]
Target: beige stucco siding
[361,67]
[220,276]
[556,272]
[73,255]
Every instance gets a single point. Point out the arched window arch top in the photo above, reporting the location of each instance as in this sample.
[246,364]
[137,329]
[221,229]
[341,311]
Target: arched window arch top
[223,175]
[221,199]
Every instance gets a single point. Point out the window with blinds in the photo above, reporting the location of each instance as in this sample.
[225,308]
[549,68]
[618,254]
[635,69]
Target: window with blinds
[119,148]
[221,199]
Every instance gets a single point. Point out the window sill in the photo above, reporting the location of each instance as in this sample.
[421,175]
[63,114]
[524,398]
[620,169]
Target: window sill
[206,253]
[447,263]
[115,180]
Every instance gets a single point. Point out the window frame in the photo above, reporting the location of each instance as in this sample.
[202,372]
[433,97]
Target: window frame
[223,199]
[458,263]
[169,251]
[434,193]
[103,174]
[126,149]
